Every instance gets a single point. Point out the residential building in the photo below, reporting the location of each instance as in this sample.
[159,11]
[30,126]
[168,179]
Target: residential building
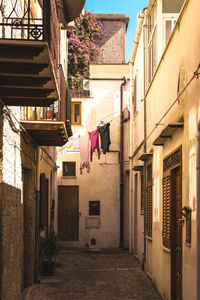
[90,216]
[164,146]
[33,96]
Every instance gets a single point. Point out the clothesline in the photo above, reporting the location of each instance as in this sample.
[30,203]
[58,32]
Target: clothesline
[95,122]
[89,142]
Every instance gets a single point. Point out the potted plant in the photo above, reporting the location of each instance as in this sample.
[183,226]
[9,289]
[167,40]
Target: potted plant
[49,249]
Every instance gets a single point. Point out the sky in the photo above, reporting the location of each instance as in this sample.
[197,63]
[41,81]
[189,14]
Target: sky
[128,7]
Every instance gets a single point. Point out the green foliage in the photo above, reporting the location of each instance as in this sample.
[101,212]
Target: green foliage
[49,245]
[82,48]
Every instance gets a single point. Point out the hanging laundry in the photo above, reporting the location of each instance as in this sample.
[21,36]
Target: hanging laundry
[73,143]
[105,137]
[94,137]
[84,153]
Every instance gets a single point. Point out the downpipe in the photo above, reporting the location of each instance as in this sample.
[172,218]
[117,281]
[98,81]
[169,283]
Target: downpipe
[121,167]
[198,214]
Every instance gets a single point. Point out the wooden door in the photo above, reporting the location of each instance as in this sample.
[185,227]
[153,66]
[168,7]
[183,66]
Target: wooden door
[176,235]
[68,213]
[136,215]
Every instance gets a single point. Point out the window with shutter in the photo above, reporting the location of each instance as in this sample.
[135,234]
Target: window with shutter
[166,210]
[149,208]
[169,219]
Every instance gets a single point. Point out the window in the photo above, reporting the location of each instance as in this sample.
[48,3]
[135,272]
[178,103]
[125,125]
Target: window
[135,94]
[76,113]
[149,207]
[142,192]
[169,26]
[94,208]
[69,168]
[152,41]
[168,164]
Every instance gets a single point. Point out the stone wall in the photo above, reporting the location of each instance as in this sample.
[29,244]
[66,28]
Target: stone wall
[112,43]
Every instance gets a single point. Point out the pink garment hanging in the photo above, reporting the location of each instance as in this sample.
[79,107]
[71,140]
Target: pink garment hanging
[94,137]
[84,153]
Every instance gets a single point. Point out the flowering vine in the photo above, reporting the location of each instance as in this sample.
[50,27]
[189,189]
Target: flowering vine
[82,48]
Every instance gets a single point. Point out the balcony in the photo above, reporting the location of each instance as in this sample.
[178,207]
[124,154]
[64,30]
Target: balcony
[49,126]
[29,53]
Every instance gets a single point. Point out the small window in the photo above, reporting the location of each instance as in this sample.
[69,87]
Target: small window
[94,208]
[69,168]
[142,193]
[135,95]
[169,26]
[76,113]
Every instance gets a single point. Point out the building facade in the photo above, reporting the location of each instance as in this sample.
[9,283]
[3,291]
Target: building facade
[94,222]
[33,96]
[164,152]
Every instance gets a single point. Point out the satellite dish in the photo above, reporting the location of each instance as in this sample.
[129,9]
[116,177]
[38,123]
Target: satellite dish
[73,8]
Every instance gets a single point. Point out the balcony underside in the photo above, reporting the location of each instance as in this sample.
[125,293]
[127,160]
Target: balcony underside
[27,75]
[47,133]
[167,133]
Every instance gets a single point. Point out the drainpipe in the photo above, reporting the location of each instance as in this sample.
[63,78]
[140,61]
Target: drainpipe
[198,214]
[37,211]
[121,167]
[131,163]
[145,149]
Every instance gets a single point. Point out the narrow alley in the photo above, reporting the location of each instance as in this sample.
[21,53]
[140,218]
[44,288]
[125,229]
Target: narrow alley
[80,274]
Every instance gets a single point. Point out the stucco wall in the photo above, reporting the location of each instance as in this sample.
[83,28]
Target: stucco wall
[103,181]
[179,61]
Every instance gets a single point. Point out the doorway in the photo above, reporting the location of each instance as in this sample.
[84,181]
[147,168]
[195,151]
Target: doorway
[68,213]
[176,235]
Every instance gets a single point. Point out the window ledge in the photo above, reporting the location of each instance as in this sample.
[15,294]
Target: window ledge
[68,177]
[166,249]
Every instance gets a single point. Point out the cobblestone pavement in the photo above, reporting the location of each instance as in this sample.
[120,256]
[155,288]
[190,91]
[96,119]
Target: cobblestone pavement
[93,276]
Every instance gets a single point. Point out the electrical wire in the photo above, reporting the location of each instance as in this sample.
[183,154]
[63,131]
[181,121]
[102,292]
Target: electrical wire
[195,75]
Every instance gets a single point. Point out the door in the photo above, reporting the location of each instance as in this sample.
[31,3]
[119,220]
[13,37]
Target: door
[126,211]
[68,213]
[176,235]
[136,215]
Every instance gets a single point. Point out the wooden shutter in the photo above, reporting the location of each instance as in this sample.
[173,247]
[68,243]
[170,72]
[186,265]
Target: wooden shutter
[167,210]
[149,211]
[149,208]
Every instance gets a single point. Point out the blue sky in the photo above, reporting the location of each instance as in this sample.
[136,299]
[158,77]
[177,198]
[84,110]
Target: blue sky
[128,7]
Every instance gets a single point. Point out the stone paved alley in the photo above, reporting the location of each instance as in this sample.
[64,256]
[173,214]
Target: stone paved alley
[94,275]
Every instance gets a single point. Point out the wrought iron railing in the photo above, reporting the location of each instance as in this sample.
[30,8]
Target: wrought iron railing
[33,20]
[56,112]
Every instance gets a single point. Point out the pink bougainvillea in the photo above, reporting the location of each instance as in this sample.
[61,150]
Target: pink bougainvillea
[82,48]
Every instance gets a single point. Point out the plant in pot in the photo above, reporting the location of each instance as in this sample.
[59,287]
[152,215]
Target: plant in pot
[49,249]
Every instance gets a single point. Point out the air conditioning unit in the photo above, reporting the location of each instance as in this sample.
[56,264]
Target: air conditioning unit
[86,84]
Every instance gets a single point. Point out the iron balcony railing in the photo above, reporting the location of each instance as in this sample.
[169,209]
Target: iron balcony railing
[32,20]
[56,112]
